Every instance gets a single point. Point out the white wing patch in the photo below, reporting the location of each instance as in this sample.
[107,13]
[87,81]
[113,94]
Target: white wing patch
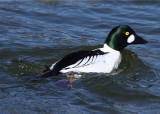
[83,62]
[88,64]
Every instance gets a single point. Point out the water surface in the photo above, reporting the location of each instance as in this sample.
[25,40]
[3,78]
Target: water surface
[38,32]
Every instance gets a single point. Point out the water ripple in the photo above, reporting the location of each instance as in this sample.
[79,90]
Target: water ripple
[38,32]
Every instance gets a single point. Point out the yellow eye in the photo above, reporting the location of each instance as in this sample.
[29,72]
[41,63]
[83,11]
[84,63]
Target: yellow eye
[126,33]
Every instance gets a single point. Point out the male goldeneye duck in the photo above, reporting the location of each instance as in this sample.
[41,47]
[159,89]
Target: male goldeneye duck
[101,60]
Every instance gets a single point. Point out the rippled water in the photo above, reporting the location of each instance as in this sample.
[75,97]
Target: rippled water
[38,32]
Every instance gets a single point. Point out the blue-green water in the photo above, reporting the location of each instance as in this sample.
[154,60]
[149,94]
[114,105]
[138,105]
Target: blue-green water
[38,32]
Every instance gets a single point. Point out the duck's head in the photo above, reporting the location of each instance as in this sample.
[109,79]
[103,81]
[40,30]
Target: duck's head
[122,36]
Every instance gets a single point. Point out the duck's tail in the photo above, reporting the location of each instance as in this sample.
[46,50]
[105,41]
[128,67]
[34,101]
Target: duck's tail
[47,72]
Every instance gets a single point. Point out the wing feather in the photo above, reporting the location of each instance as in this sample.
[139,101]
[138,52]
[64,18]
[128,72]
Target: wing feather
[77,59]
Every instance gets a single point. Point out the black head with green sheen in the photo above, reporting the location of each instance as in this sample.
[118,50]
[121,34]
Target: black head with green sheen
[122,36]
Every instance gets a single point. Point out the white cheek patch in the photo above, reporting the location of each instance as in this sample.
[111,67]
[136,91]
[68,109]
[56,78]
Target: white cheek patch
[131,38]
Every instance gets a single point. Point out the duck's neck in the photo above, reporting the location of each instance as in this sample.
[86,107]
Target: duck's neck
[107,48]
